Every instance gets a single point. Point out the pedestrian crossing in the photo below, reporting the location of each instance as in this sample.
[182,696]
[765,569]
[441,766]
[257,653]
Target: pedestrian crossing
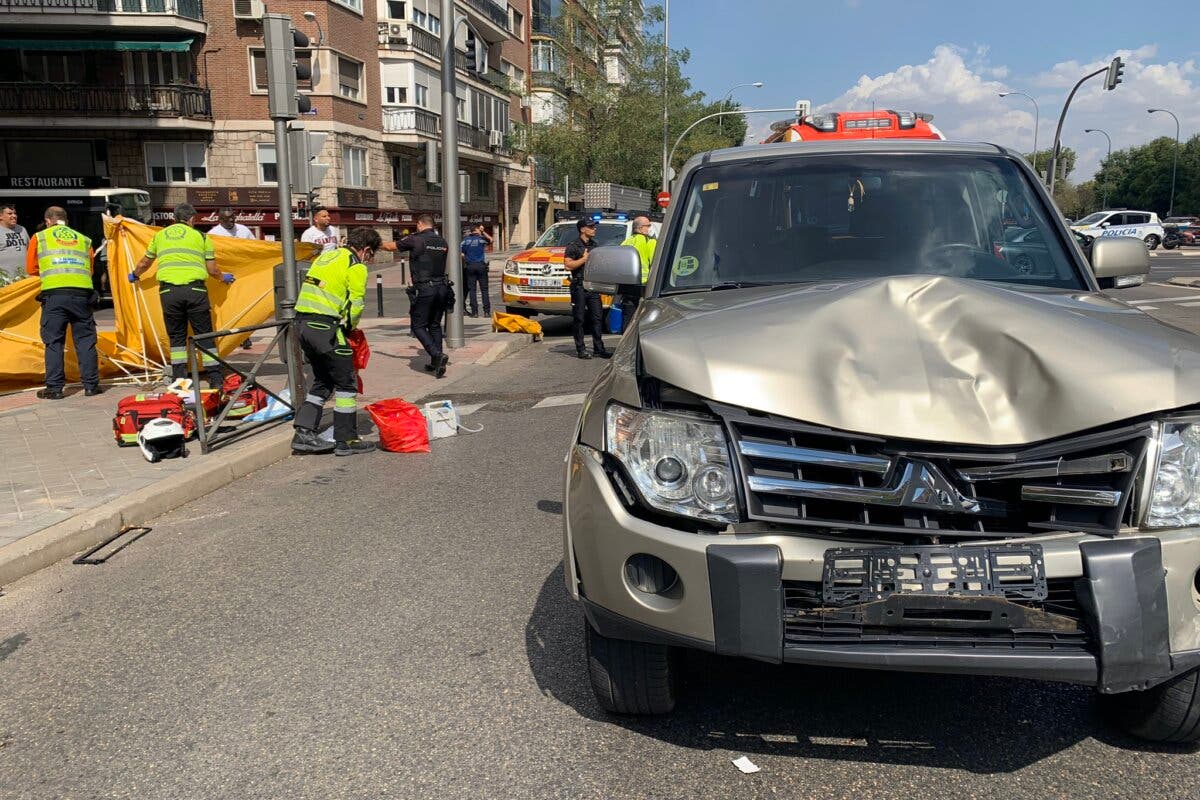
[512,404]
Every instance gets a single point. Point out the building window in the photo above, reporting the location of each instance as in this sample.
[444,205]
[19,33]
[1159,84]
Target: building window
[396,10]
[401,174]
[354,161]
[267,166]
[546,57]
[395,95]
[258,65]
[515,73]
[349,78]
[427,21]
[353,5]
[483,184]
[421,96]
[516,23]
[176,162]
[157,69]
[464,187]
[460,105]
[52,67]
[435,25]
[545,14]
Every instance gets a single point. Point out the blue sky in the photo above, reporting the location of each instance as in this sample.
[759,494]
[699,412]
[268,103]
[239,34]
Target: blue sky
[952,59]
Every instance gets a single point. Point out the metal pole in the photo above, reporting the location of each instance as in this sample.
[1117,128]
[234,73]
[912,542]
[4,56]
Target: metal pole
[1058,131]
[1175,163]
[1037,122]
[1104,200]
[666,165]
[451,224]
[671,154]
[287,307]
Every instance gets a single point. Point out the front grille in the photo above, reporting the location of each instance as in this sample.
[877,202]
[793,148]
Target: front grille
[801,474]
[541,270]
[802,627]
[539,291]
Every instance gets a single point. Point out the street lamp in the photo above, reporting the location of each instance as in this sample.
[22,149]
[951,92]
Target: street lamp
[1175,163]
[1103,202]
[729,94]
[666,164]
[1037,118]
[311,16]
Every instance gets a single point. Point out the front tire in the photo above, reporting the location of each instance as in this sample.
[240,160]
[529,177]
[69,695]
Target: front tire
[520,312]
[1170,712]
[1170,244]
[630,677]
[1152,241]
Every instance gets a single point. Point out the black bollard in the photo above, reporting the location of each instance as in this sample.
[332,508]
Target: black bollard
[379,293]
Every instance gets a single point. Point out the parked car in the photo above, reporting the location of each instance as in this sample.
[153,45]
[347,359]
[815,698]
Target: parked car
[856,435]
[1143,225]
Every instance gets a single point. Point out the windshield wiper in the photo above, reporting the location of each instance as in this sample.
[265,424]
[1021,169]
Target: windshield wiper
[722,285]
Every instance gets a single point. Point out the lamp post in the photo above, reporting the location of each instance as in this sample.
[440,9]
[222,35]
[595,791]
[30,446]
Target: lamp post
[666,164]
[690,128]
[1175,163]
[1104,201]
[1037,118]
[729,95]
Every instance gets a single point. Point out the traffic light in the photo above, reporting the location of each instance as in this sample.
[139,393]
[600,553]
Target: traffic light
[284,100]
[1115,70]
[477,52]
[431,162]
[303,149]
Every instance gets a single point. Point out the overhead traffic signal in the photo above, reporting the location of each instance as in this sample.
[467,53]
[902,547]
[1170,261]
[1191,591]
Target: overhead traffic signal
[303,149]
[1115,72]
[477,52]
[284,72]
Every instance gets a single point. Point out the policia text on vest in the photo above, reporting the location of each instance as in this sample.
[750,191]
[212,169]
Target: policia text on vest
[185,261]
[328,306]
[62,258]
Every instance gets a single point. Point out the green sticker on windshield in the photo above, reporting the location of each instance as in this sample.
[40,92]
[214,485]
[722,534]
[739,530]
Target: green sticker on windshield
[685,266]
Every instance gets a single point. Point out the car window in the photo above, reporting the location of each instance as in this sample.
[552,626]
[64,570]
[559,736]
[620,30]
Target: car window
[1137,219]
[563,234]
[823,218]
[1091,219]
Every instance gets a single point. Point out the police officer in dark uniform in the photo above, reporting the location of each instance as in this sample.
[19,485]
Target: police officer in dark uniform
[585,305]
[431,294]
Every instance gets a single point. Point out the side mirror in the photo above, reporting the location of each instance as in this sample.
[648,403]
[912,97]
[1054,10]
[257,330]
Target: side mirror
[1105,224]
[1120,262]
[529,245]
[609,268]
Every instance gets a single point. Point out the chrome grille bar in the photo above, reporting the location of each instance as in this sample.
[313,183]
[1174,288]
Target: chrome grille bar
[1052,468]
[1102,498]
[822,458]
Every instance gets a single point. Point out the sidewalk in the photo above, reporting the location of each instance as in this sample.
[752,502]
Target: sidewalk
[61,463]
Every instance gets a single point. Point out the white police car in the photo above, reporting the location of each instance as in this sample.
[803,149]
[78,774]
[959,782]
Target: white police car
[1142,224]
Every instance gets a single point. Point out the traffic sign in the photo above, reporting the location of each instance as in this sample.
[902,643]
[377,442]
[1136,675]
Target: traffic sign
[663,199]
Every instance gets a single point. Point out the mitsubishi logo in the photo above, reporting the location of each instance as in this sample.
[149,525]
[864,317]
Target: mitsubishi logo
[922,485]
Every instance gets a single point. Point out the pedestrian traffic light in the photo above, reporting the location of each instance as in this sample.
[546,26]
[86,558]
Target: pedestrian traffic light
[1115,70]
[303,148]
[284,72]
[477,52]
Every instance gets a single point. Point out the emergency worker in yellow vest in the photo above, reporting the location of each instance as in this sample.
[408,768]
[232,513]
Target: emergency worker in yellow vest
[328,306]
[641,241]
[185,262]
[62,258]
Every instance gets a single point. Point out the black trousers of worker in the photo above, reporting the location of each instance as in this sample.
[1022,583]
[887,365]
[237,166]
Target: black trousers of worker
[332,361]
[586,310]
[476,275]
[62,308]
[428,307]
[184,304]
[629,306]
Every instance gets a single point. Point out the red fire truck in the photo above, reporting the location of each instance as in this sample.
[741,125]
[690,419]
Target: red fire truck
[841,125]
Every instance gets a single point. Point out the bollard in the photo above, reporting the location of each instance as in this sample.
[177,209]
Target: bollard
[379,293]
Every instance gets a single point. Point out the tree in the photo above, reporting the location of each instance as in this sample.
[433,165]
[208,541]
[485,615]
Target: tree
[1065,166]
[1140,177]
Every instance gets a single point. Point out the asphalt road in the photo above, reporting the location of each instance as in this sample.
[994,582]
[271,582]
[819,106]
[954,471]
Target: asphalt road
[397,626]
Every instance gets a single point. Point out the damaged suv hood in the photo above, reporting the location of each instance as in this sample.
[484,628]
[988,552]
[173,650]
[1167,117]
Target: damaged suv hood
[924,357]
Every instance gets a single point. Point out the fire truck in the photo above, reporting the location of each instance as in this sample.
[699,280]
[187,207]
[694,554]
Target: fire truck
[842,125]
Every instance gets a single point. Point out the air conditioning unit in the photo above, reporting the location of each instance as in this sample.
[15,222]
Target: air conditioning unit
[397,29]
[392,32]
[495,138]
[249,9]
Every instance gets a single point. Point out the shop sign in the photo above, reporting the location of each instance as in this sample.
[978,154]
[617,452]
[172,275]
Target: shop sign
[257,196]
[358,198]
[53,182]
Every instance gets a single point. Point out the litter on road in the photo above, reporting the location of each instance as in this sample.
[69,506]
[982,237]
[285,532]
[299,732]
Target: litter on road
[745,765]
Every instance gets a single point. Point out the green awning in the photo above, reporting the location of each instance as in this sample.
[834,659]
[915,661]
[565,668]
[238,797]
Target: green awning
[180,46]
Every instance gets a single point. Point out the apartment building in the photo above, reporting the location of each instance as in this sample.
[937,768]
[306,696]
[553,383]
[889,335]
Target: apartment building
[170,95]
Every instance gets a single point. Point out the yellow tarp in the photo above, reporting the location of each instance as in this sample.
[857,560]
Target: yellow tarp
[140,342]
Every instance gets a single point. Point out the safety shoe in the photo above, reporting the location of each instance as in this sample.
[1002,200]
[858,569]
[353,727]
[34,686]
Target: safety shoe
[92,391]
[50,394]
[602,353]
[440,370]
[432,365]
[584,354]
[353,447]
[307,441]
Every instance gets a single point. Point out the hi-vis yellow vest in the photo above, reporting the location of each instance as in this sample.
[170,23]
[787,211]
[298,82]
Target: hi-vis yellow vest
[181,252]
[334,286]
[645,247]
[63,261]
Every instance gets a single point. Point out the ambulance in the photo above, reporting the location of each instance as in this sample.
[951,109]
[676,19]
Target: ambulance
[843,125]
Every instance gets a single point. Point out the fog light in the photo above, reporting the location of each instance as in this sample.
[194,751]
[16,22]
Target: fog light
[650,574]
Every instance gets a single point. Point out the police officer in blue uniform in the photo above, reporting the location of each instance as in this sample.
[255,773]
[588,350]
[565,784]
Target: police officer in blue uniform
[475,270]
[430,293]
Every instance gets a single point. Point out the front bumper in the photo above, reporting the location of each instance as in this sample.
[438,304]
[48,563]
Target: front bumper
[1135,595]
[543,300]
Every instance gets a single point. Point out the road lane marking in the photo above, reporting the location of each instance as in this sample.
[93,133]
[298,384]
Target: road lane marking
[1177,299]
[1147,308]
[464,411]
[561,400]
[1192,304]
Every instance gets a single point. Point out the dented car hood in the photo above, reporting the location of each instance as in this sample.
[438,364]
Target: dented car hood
[924,357]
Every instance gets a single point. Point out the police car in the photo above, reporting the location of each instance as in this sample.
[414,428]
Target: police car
[1142,224]
[536,280]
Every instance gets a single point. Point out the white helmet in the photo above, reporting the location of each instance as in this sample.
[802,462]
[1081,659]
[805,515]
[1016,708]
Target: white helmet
[162,438]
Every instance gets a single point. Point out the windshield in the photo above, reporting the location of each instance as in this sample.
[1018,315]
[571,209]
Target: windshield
[562,235]
[850,217]
[1092,219]
[132,204]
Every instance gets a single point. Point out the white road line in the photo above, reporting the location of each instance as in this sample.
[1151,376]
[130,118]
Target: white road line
[470,409]
[561,400]
[1192,304]
[1177,299]
[1147,308]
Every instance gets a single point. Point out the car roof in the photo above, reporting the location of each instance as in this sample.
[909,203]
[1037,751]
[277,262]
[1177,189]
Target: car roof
[814,148]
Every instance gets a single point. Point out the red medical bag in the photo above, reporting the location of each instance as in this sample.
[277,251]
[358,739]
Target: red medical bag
[135,411]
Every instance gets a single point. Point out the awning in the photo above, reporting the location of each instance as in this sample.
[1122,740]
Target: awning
[180,46]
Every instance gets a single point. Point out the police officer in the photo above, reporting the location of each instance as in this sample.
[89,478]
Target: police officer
[62,258]
[330,303]
[431,294]
[475,270]
[641,241]
[185,261]
[585,305]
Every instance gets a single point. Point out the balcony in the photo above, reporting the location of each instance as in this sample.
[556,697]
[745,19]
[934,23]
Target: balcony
[84,104]
[410,37]
[419,121]
[147,16]
[543,79]
[488,12]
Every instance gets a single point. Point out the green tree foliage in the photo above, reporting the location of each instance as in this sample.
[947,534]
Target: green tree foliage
[1140,177]
[1065,166]
[614,133]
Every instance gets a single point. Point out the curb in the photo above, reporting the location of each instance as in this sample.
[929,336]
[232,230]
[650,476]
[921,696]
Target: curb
[1192,282]
[87,529]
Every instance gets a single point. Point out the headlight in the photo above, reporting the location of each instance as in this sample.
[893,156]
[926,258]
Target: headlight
[510,267]
[1175,495]
[679,463]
